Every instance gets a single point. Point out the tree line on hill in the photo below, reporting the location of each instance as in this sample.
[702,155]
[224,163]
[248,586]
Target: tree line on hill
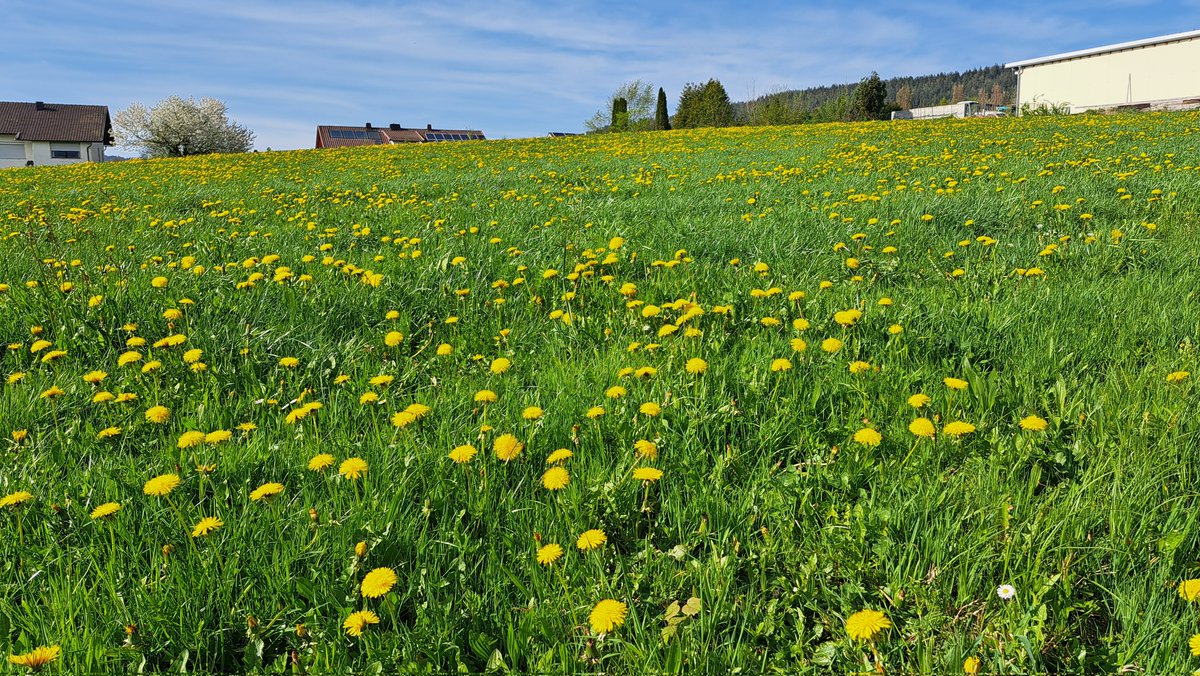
[635,107]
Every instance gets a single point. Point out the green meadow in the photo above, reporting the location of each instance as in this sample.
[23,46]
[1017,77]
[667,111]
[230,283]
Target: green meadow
[913,397]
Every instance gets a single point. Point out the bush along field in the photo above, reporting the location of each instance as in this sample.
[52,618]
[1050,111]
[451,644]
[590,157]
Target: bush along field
[851,397]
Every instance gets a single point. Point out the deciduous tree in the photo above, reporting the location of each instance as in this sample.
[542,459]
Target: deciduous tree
[639,98]
[177,126]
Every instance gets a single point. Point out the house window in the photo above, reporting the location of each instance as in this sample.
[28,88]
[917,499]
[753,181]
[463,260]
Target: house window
[64,151]
[12,151]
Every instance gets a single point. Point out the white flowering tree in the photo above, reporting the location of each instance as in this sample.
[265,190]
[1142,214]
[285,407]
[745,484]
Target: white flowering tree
[175,127]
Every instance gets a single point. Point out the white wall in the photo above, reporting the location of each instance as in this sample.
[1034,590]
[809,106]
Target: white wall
[8,140]
[1154,73]
[39,152]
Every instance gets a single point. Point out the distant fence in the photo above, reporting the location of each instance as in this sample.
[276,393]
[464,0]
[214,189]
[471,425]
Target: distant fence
[960,109]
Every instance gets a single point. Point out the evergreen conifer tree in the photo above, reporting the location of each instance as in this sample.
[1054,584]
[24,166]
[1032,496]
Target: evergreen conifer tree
[662,121]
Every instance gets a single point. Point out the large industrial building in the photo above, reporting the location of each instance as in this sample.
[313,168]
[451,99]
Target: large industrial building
[1160,73]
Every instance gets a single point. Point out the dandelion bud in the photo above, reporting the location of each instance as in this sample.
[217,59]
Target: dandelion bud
[167,549]
[312,514]
[360,549]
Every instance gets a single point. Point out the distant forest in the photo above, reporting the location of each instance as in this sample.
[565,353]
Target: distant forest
[990,85]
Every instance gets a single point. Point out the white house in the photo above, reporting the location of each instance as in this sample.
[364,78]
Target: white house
[36,134]
[1161,73]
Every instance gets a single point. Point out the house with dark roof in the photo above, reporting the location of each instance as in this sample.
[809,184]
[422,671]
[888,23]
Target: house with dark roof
[334,136]
[52,133]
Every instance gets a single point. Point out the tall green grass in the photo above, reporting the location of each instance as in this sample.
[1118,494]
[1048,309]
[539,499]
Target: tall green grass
[768,512]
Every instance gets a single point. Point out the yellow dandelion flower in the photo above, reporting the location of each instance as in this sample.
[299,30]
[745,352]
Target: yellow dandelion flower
[958,429]
[556,478]
[219,436]
[831,345]
[559,456]
[696,366]
[780,365]
[549,553]
[955,383]
[507,447]
[591,539]
[1189,589]
[650,408]
[607,615]
[868,437]
[378,582]
[647,474]
[53,391]
[108,433]
[918,400]
[193,355]
[1033,423]
[266,491]
[1194,645]
[859,367]
[645,449]
[971,665]
[352,468]
[158,414]
[191,439]
[847,317]
[402,419]
[320,462]
[615,392]
[532,413]
[595,412]
[1178,376]
[358,621]
[52,355]
[500,365]
[94,377]
[922,427]
[36,658]
[463,454]
[15,499]
[161,485]
[106,510]
[865,624]
[206,526]
[392,339]
[485,397]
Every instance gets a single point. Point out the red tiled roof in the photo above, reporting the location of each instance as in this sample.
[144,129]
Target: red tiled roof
[56,122]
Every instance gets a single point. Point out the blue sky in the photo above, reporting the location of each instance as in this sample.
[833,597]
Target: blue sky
[512,68]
